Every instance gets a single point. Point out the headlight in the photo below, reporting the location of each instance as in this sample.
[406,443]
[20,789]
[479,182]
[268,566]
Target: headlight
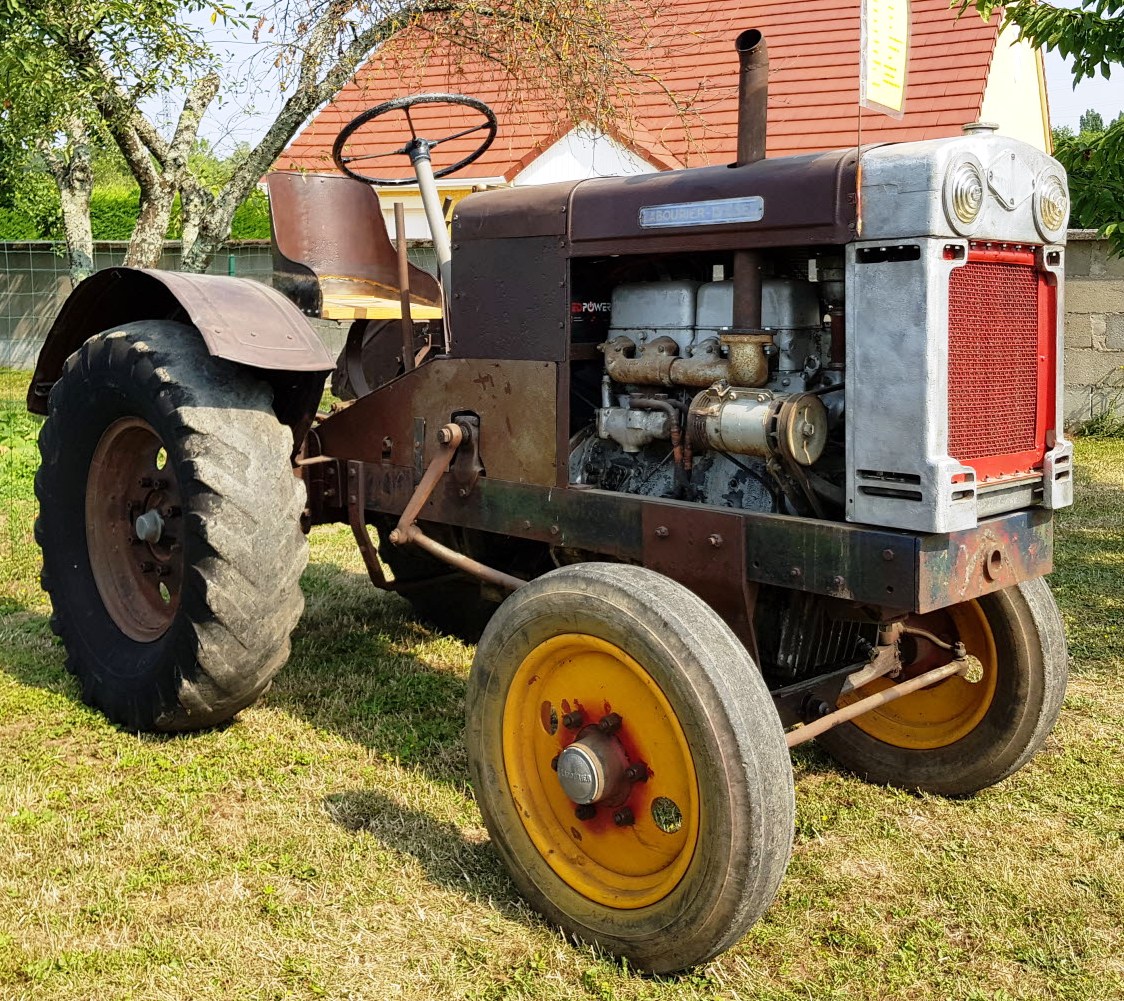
[1051,204]
[964,194]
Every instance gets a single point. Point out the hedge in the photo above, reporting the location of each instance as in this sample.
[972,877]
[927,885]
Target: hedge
[15,224]
[113,215]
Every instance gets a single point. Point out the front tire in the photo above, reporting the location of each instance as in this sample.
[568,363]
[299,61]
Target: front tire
[955,738]
[702,848]
[169,524]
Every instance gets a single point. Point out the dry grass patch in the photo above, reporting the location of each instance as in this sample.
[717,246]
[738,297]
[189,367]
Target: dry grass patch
[327,845]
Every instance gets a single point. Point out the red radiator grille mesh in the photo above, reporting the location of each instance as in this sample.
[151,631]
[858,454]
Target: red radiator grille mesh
[993,367]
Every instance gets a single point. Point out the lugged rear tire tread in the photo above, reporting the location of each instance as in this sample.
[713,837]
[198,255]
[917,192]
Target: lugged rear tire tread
[243,545]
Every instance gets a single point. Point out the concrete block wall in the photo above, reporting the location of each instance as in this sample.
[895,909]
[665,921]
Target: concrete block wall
[1094,328]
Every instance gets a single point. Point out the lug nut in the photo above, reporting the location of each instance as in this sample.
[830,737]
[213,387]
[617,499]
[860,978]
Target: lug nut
[587,811]
[637,772]
[610,723]
[573,719]
[623,817]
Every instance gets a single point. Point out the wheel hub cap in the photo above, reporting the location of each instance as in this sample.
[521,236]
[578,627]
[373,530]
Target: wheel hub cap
[133,529]
[149,526]
[592,769]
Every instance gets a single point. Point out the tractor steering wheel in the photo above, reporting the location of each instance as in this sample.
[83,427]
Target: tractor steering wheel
[417,147]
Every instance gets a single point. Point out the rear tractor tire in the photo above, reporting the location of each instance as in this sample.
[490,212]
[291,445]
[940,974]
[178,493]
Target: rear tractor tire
[169,524]
[629,764]
[955,738]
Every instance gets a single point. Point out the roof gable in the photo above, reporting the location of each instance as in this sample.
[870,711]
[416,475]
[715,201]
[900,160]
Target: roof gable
[581,152]
[813,87]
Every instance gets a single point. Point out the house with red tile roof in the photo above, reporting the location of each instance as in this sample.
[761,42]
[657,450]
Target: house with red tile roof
[960,70]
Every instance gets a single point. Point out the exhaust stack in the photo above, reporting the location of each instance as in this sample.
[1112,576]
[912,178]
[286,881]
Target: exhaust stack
[753,98]
[753,95]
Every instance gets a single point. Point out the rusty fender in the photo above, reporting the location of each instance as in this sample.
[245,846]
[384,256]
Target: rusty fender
[242,321]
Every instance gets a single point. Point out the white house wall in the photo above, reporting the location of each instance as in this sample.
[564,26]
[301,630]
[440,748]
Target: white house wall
[1015,94]
[579,154]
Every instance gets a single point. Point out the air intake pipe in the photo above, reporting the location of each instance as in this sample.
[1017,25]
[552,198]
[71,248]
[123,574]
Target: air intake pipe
[753,99]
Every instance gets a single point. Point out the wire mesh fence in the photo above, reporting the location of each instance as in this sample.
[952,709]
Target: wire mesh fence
[34,284]
[35,281]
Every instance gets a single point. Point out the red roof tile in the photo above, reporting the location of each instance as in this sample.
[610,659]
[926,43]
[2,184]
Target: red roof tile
[813,88]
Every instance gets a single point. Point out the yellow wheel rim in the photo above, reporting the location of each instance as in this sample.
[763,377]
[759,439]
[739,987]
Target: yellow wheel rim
[947,711]
[618,866]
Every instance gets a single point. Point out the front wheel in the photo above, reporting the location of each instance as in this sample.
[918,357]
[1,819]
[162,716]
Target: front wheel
[955,738]
[629,764]
[169,519]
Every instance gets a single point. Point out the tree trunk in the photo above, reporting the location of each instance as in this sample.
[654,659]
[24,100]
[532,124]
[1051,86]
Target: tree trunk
[73,173]
[147,242]
[211,232]
[198,206]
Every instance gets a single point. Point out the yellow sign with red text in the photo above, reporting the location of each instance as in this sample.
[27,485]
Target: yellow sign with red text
[884,55]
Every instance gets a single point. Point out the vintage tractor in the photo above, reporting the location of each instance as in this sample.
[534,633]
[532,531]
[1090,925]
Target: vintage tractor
[720,460]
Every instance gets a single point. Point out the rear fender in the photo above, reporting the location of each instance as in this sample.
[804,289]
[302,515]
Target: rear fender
[240,320]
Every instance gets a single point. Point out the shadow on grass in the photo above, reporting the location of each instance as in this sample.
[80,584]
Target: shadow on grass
[449,859]
[363,667]
[29,651]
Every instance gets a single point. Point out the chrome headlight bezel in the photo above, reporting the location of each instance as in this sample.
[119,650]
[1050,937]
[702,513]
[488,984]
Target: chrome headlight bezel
[965,194]
[1051,204]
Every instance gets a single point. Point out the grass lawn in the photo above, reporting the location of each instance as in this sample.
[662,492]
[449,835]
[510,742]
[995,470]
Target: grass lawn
[327,844]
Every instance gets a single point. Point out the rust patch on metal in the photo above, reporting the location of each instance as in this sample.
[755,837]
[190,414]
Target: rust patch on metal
[437,391]
[1001,552]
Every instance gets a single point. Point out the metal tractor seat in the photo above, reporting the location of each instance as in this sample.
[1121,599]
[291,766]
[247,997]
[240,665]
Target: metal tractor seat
[332,255]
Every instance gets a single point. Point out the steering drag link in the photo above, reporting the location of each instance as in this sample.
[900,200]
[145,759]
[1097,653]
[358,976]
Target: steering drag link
[965,665]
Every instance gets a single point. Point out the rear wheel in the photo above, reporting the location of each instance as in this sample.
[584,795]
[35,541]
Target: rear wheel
[629,764]
[954,737]
[169,519]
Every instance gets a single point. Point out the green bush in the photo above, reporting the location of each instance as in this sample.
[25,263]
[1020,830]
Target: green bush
[16,224]
[29,209]
[114,211]
[251,218]
[113,216]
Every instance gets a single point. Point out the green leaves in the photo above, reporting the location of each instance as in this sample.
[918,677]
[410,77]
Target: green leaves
[1093,37]
[1095,164]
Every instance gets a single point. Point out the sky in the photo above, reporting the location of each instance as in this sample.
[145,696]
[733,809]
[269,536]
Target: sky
[1067,103]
